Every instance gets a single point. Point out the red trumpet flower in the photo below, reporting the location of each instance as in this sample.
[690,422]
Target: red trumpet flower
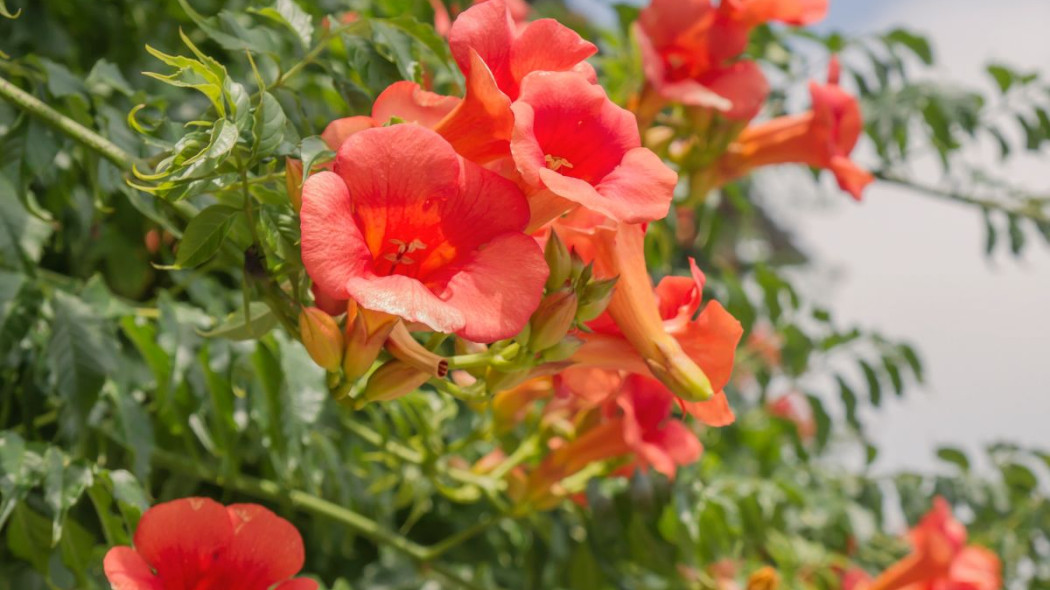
[407,227]
[822,138]
[197,544]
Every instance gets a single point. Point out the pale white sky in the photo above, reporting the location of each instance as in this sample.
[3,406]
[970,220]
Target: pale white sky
[913,267]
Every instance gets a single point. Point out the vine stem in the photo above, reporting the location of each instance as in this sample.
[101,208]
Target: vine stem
[362,525]
[1032,209]
[89,138]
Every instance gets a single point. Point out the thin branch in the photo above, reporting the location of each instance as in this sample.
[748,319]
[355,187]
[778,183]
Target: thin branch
[362,525]
[1033,209]
[87,137]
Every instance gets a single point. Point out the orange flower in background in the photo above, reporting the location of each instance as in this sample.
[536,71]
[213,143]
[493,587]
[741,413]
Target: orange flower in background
[795,407]
[691,49]
[198,544]
[940,558]
[821,138]
[635,424]
[511,52]
[684,60]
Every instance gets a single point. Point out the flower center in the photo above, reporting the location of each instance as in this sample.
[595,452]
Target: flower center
[401,256]
[556,162]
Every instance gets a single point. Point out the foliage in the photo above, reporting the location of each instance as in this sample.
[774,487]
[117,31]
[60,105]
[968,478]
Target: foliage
[148,350]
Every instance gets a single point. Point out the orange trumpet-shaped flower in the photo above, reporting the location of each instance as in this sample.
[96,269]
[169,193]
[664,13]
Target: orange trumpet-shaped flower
[199,544]
[822,138]
[654,331]
[690,51]
[635,424]
[941,559]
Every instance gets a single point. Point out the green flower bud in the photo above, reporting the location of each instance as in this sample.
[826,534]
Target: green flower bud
[594,298]
[392,380]
[552,320]
[559,260]
[322,338]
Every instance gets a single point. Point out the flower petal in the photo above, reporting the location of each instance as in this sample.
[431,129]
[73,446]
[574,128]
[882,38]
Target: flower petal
[640,189]
[127,570]
[488,29]
[392,174]
[184,540]
[498,287]
[340,130]
[405,297]
[546,45]
[332,245]
[407,101]
[480,126]
[265,548]
[711,342]
[487,206]
[713,412]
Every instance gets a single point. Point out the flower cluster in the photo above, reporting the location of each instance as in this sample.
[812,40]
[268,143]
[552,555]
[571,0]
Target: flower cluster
[514,217]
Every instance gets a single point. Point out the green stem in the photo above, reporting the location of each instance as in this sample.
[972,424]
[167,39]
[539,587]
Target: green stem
[362,525]
[271,491]
[87,137]
[1032,208]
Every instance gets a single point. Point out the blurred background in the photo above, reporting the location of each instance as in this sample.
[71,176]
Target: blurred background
[914,267]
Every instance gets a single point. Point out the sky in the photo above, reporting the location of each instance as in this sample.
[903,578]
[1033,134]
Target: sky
[913,268]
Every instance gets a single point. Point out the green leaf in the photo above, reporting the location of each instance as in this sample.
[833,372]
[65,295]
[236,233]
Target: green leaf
[236,326]
[268,129]
[4,12]
[313,150]
[81,355]
[22,236]
[64,483]
[916,43]
[849,402]
[1004,77]
[130,496]
[21,469]
[874,387]
[1019,478]
[955,457]
[204,235]
[289,14]
[105,77]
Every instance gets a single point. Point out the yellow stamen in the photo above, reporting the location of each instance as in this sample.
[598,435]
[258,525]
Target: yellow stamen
[556,162]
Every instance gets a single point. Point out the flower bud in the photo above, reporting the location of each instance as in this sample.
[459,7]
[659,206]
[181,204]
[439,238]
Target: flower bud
[498,381]
[562,350]
[559,260]
[392,380]
[403,346]
[552,320]
[293,179]
[594,299]
[365,335]
[680,373]
[322,338]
